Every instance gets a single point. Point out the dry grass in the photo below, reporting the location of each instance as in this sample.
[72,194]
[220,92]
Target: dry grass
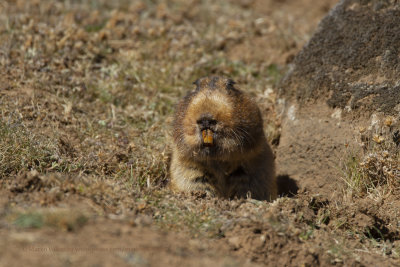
[95,86]
[373,176]
[377,170]
[20,149]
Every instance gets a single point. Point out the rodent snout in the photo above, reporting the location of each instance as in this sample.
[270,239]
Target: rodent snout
[206,122]
[207,127]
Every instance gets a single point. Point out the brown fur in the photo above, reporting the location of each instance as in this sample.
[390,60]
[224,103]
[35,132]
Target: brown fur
[240,162]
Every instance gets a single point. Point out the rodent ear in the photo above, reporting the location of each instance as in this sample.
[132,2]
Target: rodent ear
[230,84]
[197,83]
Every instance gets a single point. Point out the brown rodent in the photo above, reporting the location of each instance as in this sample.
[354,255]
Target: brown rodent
[219,144]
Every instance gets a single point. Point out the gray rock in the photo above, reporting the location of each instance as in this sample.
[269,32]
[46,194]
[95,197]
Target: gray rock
[353,59]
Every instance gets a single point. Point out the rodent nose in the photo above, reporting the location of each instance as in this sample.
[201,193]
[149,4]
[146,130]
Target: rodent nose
[206,122]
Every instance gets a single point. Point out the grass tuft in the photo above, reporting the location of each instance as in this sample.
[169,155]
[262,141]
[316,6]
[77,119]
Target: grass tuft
[377,169]
[22,150]
[29,220]
[65,220]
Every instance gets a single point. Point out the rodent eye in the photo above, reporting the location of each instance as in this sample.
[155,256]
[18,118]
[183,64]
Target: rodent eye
[230,88]
[197,84]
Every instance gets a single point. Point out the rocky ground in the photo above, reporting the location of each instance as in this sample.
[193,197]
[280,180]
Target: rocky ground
[87,91]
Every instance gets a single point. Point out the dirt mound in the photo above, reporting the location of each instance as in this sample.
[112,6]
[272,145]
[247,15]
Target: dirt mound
[123,243]
[352,60]
[350,63]
[340,105]
[311,148]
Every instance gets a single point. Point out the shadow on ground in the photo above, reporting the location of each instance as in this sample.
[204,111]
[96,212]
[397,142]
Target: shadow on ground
[287,187]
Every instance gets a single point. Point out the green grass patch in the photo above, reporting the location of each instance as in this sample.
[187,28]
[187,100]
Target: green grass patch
[29,220]
[66,220]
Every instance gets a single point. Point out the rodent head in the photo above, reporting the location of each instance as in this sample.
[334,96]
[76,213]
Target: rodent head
[217,121]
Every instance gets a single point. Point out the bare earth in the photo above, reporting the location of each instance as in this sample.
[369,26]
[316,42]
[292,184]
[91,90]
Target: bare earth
[87,91]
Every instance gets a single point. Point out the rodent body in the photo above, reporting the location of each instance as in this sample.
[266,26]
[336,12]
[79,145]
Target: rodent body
[219,144]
